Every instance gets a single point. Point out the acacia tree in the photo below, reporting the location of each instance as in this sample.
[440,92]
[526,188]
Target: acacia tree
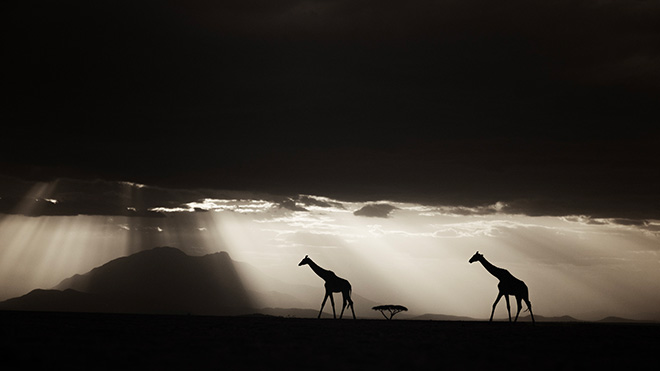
[392,309]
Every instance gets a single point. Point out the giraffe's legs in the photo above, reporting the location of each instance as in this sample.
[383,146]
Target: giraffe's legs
[519,302]
[499,296]
[350,303]
[323,304]
[508,306]
[332,301]
[352,309]
[346,302]
[529,306]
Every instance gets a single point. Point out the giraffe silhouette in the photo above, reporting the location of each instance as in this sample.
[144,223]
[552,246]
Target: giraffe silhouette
[509,285]
[332,284]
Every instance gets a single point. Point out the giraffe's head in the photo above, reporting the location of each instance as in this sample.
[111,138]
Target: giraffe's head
[476,257]
[305,260]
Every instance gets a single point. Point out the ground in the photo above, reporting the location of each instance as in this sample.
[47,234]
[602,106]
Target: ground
[114,341]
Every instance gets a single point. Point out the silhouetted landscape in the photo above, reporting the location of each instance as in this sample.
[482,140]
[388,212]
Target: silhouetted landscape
[164,280]
[161,307]
[388,140]
[167,281]
[158,281]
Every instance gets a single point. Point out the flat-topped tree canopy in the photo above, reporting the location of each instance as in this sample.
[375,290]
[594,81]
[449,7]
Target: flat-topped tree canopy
[391,308]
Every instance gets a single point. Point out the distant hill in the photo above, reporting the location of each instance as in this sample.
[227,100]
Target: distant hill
[613,319]
[292,312]
[538,318]
[441,317]
[162,280]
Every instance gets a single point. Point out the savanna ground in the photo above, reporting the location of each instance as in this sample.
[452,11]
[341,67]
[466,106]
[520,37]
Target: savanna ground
[109,341]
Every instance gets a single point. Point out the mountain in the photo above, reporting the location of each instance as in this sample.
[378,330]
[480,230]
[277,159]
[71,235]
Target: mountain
[165,280]
[161,280]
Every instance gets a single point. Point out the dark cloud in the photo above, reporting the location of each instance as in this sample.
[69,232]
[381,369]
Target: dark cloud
[375,210]
[76,197]
[478,210]
[631,222]
[291,204]
[648,226]
[300,203]
[314,201]
[92,197]
[550,107]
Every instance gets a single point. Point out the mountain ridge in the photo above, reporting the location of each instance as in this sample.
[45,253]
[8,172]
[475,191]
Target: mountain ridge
[160,280]
[165,280]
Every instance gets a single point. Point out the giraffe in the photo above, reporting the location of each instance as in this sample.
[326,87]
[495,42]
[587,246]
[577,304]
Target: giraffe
[332,284]
[509,285]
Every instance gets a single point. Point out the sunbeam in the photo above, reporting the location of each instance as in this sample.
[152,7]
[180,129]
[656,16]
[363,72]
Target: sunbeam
[39,252]
[406,254]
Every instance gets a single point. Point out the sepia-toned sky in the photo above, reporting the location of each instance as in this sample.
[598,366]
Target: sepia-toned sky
[391,252]
[525,130]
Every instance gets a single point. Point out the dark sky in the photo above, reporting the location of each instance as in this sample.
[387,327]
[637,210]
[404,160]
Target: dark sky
[552,107]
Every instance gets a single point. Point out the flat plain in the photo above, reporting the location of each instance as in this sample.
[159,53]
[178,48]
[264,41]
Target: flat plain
[113,341]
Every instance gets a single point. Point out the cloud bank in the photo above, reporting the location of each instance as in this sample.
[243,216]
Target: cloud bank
[549,107]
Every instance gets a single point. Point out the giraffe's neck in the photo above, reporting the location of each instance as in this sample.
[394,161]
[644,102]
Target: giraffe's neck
[319,271]
[495,271]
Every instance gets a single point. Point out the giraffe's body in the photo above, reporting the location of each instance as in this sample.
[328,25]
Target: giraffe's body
[333,283]
[508,285]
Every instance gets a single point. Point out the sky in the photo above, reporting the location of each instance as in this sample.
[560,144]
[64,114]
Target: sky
[526,130]
[391,252]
